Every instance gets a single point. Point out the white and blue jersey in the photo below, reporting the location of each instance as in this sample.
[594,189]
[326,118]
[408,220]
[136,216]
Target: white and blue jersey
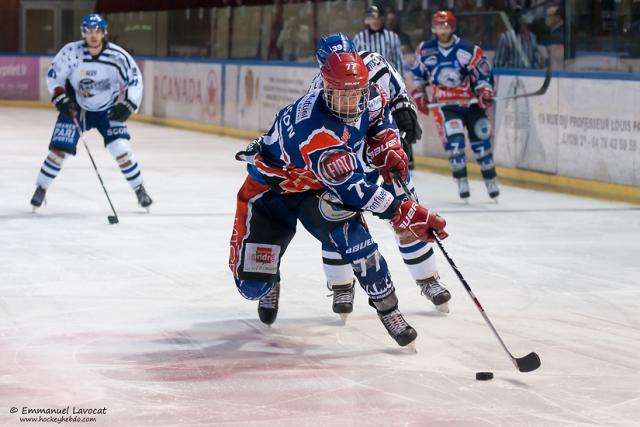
[98,81]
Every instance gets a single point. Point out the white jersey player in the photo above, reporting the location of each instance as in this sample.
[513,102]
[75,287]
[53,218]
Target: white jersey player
[417,255]
[95,84]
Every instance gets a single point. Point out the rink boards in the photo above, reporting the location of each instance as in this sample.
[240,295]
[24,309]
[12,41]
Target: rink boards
[586,126]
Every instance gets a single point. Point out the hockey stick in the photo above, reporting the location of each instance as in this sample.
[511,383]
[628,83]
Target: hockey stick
[113,219]
[528,363]
[541,91]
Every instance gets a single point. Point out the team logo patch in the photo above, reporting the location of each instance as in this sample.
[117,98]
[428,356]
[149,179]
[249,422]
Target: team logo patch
[463,56]
[330,210]
[453,127]
[431,61]
[484,67]
[336,166]
[261,258]
[482,128]
[449,77]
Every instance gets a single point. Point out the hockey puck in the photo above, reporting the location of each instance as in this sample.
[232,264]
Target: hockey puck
[112,219]
[484,376]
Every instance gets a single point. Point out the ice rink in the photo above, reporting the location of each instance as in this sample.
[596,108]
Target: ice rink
[143,317]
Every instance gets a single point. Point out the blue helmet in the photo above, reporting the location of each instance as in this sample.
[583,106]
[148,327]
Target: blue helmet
[93,21]
[333,43]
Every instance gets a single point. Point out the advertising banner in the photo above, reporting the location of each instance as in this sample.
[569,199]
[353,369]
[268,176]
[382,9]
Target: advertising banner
[265,90]
[524,136]
[185,90]
[19,77]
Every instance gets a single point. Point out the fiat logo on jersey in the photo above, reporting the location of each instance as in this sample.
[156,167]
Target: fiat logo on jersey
[336,166]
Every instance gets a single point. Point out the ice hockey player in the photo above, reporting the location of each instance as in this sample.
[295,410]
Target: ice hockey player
[418,256]
[381,72]
[98,84]
[458,71]
[308,163]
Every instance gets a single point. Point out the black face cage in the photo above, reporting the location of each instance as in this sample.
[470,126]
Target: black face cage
[354,107]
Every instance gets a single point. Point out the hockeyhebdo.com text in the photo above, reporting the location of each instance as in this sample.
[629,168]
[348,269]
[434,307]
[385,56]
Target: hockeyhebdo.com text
[67,414]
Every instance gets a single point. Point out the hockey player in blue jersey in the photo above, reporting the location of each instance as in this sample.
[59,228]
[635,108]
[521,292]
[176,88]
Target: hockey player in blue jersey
[419,257]
[381,72]
[304,168]
[98,84]
[458,71]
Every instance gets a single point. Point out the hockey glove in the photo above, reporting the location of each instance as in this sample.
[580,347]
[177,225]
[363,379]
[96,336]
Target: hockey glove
[121,111]
[63,103]
[485,97]
[404,114]
[422,100]
[385,153]
[419,221]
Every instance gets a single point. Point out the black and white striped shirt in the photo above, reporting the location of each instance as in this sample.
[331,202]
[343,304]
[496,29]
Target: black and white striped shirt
[385,42]
[517,51]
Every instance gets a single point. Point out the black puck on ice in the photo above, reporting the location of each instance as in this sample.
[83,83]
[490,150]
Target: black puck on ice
[484,376]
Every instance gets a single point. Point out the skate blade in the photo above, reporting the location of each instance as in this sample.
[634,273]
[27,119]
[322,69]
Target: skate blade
[147,209]
[443,308]
[33,209]
[495,200]
[466,200]
[343,318]
[411,347]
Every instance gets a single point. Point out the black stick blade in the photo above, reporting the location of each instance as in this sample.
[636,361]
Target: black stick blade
[528,363]
[113,219]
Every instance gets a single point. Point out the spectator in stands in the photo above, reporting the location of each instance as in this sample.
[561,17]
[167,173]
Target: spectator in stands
[376,38]
[518,47]
[392,22]
[553,20]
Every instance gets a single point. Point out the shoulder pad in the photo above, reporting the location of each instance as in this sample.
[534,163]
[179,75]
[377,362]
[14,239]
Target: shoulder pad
[378,98]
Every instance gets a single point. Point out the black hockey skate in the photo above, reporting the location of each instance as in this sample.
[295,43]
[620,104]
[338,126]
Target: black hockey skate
[343,300]
[398,328]
[492,188]
[38,197]
[268,305]
[143,198]
[433,289]
[463,189]
[394,322]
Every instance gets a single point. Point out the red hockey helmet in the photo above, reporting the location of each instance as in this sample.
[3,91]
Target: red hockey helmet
[346,85]
[443,18]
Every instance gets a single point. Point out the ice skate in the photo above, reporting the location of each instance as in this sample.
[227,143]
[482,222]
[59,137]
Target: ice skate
[343,300]
[398,328]
[268,305]
[143,198]
[463,189]
[38,198]
[433,289]
[394,322]
[492,188]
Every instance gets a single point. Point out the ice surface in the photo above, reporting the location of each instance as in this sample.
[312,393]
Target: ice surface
[143,317]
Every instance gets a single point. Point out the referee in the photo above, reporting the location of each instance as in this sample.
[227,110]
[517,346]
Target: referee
[378,39]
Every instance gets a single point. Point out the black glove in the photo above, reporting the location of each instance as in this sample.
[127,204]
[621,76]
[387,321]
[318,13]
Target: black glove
[121,111]
[64,104]
[405,116]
